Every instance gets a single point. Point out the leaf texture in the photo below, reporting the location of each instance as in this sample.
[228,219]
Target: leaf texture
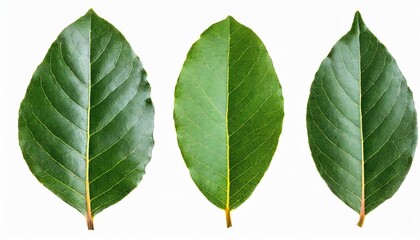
[361,121]
[228,113]
[86,122]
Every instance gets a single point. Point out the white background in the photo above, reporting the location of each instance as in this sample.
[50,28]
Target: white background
[291,201]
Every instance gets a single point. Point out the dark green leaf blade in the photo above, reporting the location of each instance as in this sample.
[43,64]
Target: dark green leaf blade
[86,122]
[361,121]
[228,113]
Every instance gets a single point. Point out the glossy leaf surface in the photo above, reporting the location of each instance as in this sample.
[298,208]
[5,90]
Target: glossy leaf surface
[228,113]
[361,121]
[86,122]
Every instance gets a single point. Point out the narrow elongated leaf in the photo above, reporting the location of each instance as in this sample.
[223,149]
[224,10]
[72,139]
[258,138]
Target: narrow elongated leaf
[86,122]
[361,121]
[228,113]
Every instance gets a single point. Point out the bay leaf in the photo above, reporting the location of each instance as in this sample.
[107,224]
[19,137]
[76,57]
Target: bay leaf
[361,121]
[228,113]
[86,122]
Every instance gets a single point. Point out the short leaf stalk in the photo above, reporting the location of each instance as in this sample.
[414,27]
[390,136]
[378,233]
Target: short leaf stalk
[228,220]
[362,207]
[362,218]
[89,220]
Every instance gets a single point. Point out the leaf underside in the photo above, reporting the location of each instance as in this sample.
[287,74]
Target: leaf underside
[86,122]
[228,113]
[361,121]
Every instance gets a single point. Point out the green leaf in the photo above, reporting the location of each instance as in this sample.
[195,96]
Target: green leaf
[228,113]
[86,122]
[361,121]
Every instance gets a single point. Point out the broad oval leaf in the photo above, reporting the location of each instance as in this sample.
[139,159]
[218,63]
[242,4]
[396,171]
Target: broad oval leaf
[361,121]
[86,122]
[228,113]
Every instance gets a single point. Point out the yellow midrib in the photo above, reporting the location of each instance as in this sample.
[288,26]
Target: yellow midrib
[227,134]
[362,198]
[89,217]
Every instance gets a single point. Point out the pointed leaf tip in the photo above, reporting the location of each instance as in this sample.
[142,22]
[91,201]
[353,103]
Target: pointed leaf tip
[358,21]
[230,19]
[358,17]
[91,12]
